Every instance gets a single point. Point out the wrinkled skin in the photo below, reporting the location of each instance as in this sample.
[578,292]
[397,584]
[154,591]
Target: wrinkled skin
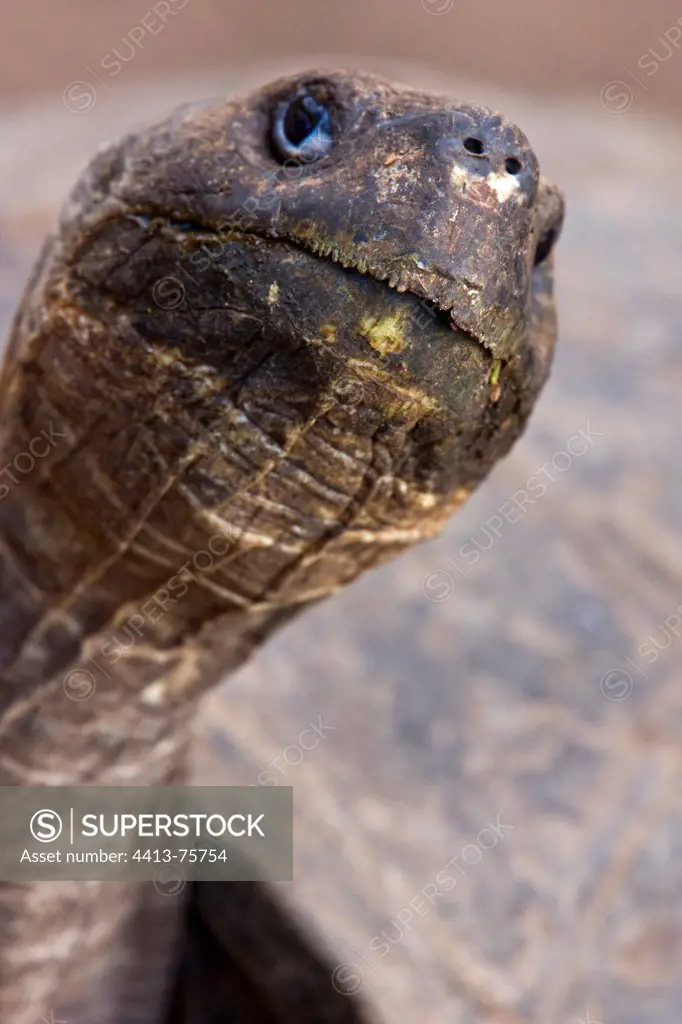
[300,369]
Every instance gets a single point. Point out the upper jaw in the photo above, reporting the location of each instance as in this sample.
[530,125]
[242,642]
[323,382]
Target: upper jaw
[470,259]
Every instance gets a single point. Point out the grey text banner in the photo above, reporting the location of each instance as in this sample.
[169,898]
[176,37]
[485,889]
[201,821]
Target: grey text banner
[120,833]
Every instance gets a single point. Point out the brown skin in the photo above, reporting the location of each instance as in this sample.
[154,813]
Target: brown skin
[300,371]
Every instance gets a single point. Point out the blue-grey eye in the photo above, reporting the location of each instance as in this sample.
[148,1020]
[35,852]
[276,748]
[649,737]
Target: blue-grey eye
[302,129]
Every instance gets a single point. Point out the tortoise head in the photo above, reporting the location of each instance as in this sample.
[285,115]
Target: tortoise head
[330,248]
[404,240]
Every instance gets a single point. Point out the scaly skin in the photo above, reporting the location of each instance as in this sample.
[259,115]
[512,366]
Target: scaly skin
[294,373]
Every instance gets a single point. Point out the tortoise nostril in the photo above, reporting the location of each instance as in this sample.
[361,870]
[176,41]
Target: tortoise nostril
[512,165]
[473,145]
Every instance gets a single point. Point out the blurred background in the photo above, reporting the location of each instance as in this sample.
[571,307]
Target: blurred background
[537,684]
[544,45]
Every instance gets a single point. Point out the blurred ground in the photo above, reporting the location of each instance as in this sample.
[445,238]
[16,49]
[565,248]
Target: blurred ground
[555,45]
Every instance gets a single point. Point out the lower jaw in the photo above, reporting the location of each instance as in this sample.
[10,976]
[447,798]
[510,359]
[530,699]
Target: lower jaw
[366,328]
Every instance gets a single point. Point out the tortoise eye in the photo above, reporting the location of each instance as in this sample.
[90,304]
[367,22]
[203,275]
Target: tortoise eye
[302,130]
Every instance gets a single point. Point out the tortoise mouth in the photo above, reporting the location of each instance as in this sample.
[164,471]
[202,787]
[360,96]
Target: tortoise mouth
[516,368]
[391,338]
[238,279]
[182,230]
